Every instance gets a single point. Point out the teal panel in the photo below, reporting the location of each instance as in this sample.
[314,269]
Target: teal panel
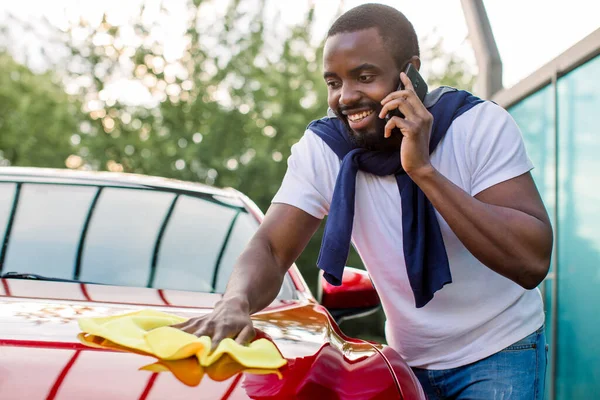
[535,117]
[578,356]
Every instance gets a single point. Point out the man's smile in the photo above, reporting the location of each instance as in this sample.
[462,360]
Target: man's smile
[361,119]
[359,115]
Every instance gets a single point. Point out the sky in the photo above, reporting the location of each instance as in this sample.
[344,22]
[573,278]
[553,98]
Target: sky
[529,33]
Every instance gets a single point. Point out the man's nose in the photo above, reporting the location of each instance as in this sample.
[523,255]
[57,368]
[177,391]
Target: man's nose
[349,95]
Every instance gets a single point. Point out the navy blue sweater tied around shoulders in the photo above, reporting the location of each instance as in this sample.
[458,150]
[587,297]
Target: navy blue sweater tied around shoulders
[424,252]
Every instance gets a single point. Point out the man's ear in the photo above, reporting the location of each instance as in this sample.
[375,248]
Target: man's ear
[416,62]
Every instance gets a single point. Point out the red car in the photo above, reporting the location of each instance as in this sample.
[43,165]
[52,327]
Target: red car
[83,244]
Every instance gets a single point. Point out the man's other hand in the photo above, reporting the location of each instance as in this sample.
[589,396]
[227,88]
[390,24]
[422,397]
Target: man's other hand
[229,319]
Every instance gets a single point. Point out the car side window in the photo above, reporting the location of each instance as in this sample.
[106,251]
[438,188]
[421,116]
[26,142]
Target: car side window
[242,230]
[121,236]
[7,197]
[46,228]
[190,251]
[124,236]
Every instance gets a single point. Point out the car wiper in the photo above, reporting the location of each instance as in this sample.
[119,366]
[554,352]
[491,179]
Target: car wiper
[34,277]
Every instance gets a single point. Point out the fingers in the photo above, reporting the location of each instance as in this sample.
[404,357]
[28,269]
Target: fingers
[239,331]
[196,326]
[246,335]
[407,82]
[186,326]
[412,97]
[396,122]
[224,331]
[243,337]
[402,100]
[401,103]
[218,328]
[215,340]
[392,96]
[397,93]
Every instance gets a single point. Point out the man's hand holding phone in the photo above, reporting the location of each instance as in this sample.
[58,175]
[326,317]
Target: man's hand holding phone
[415,126]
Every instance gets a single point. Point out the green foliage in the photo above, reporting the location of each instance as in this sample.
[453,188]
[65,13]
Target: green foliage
[445,68]
[37,118]
[225,111]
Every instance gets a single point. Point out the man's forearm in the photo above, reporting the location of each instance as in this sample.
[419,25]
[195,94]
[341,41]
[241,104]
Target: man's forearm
[256,278]
[260,269]
[511,242]
[258,274]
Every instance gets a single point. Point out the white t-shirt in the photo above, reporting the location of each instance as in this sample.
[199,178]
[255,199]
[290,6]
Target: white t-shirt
[480,312]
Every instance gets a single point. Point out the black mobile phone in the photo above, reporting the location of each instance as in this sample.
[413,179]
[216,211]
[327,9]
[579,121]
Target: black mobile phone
[418,83]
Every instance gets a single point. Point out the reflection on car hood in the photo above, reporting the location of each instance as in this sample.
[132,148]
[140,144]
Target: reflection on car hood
[42,357]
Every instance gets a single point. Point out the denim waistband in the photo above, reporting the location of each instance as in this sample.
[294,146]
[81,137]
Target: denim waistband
[530,341]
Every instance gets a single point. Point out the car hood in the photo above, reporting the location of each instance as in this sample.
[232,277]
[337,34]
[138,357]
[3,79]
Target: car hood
[41,357]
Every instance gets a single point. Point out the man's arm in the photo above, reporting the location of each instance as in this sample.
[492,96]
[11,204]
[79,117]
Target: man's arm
[258,274]
[506,226]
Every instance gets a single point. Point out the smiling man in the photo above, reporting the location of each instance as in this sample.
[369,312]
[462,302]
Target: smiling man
[439,204]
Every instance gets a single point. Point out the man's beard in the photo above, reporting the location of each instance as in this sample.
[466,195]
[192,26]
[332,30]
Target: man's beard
[374,139]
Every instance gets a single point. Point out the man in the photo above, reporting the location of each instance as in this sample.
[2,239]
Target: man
[477,330]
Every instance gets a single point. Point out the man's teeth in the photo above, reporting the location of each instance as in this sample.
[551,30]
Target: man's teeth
[359,116]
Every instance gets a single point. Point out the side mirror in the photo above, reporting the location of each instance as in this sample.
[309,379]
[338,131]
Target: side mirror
[356,297]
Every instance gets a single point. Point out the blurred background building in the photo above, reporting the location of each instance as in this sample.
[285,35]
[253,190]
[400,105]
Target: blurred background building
[556,107]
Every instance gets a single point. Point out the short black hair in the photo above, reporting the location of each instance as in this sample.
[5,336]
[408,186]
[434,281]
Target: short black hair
[395,29]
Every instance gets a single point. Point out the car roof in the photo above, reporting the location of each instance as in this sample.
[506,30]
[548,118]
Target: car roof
[102,178]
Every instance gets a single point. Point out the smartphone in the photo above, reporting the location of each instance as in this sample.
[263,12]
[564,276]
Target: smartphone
[418,84]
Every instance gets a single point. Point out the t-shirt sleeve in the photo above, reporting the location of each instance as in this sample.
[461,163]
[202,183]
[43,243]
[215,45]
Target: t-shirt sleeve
[496,150]
[310,177]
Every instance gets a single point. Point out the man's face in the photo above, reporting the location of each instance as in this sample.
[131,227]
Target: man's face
[359,73]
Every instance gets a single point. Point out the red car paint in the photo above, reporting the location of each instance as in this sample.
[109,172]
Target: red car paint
[356,290]
[40,356]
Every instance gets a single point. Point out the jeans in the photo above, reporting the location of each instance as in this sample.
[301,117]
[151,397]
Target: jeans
[517,372]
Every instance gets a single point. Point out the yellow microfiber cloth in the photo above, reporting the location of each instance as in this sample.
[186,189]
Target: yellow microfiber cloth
[187,370]
[149,332]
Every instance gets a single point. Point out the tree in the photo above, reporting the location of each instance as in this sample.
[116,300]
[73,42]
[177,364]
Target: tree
[37,118]
[444,68]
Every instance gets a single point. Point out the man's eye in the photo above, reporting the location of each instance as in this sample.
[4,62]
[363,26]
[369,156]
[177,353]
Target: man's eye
[333,84]
[366,78]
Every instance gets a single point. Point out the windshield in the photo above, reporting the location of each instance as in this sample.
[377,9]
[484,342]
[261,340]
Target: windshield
[123,236]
